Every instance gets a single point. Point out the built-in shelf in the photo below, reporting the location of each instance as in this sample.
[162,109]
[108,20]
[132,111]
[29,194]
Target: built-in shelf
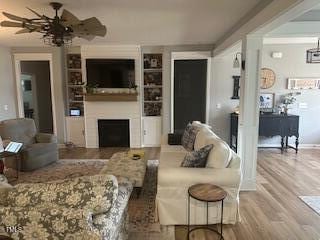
[153,70]
[153,86]
[75,85]
[78,85]
[159,101]
[111,97]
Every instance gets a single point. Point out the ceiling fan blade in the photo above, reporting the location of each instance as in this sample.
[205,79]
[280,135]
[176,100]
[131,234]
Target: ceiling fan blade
[11,24]
[68,19]
[101,31]
[91,26]
[29,29]
[92,22]
[24,30]
[85,36]
[37,14]
[14,17]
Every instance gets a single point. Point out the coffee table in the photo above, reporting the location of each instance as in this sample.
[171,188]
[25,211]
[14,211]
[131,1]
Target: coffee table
[121,164]
[206,193]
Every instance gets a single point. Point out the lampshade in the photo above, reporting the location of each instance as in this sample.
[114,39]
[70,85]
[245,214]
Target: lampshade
[313,55]
[236,63]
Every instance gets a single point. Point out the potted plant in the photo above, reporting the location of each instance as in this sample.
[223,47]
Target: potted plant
[91,88]
[289,99]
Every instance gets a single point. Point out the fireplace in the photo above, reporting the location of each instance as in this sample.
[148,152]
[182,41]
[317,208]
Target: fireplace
[114,133]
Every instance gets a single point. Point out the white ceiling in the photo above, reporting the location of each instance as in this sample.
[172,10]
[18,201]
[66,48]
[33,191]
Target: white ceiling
[142,22]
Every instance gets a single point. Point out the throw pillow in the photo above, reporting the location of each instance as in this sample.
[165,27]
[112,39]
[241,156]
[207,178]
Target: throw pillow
[198,158]
[189,137]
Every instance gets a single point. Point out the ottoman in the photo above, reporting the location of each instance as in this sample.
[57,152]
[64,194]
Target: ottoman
[121,164]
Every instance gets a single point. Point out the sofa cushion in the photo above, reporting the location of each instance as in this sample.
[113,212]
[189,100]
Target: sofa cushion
[189,136]
[94,193]
[202,136]
[198,124]
[171,159]
[36,149]
[48,223]
[19,130]
[197,158]
[220,155]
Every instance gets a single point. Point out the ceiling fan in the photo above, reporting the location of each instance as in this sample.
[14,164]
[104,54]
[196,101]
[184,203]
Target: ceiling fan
[57,31]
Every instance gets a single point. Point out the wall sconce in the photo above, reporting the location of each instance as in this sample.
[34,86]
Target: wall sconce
[236,62]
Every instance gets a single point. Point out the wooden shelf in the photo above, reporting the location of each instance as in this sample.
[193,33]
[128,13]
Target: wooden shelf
[111,97]
[151,101]
[153,70]
[152,86]
[77,85]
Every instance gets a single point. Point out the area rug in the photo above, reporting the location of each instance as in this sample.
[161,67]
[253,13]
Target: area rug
[62,169]
[312,201]
[141,210]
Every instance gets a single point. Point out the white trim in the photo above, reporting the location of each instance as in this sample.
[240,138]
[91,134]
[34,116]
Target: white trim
[18,57]
[301,146]
[290,40]
[190,55]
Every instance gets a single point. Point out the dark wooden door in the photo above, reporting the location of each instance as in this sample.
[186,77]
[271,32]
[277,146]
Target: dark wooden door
[190,82]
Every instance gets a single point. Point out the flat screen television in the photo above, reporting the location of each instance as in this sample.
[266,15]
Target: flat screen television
[110,73]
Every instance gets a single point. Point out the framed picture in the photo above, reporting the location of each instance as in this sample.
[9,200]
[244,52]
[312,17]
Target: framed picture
[266,100]
[303,83]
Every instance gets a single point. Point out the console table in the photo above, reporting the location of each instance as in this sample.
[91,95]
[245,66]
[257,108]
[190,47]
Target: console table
[271,125]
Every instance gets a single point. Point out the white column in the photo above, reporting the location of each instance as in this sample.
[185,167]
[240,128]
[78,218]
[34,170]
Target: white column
[249,110]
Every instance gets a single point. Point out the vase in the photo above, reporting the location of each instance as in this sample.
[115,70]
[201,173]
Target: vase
[285,111]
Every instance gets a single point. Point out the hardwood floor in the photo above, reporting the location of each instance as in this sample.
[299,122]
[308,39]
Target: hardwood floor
[274,210]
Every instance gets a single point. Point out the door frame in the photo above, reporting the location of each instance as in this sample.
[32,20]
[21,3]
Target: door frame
[191,55]
[18,57]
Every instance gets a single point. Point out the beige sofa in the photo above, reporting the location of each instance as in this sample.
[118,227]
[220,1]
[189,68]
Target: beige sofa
[222,169]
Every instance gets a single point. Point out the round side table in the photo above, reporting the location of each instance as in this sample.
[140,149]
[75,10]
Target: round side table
[206,193]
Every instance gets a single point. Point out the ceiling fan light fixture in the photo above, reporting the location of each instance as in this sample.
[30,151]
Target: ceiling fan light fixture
[57,30]
[236,63]
[313,54]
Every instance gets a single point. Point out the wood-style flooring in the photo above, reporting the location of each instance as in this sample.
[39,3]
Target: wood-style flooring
[274,210]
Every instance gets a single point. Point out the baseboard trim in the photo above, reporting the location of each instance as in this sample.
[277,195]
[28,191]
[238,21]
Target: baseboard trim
[310,146]
[301,146]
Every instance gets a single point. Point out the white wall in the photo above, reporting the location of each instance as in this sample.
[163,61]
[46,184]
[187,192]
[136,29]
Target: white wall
[7,85]
[293,64]
[221,93]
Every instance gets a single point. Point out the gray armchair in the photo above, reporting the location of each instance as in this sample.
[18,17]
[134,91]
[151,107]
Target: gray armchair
[39,149]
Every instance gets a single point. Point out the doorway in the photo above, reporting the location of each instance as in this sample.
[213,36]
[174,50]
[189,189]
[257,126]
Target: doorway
[190,90]
[34,88]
